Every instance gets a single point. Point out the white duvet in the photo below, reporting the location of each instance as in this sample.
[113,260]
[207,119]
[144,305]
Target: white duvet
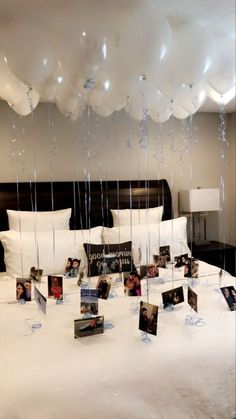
[186,371]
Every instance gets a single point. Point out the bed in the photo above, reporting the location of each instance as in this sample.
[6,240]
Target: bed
[186,371]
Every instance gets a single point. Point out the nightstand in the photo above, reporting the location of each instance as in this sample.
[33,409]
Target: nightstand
[218,254]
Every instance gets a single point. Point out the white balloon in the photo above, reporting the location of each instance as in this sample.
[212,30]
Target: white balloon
[11,89]
[143,94]
[28,53]
[96,97]
[191,54]
[102,110]
[88,45]
[145,39]
[27,104]
[69,102]
[190,98]
[220,99]
[161,111]
[105,94]
[222,75]
[178,112]
[136,112]
[73,114]
[48,90]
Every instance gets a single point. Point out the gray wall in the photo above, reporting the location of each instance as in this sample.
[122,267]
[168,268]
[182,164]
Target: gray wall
[48,146]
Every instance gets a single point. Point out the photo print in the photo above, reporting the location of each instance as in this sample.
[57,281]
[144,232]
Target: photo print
[89,301]
[173,297]
[55,287]
[149,271]
[88,327]
[148,316]
[23,289]
[229,294]
[181,260]
[191,268]
[132,284]
[35,274]
[40,300]
[163,258]
[103,287]
[192,299]
[72,268]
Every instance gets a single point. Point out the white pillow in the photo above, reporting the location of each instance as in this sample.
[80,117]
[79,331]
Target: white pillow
[48,250]
[39,220]
[123,217]
[146,239]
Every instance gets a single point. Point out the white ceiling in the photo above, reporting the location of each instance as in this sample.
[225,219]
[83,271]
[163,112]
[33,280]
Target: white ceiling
[219,15]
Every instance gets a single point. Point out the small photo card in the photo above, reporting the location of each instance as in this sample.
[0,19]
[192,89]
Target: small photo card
[165,251]
[181,260]
[35,274]
[40,300]
[148,316]
[229,294]
[192,299]
[191,268]
[173,297]
[72,268]
[160,261]
[152,271]
[55,287]
[23,289]
[149,271]
[89,301]
[132,284]
[103,287]
[163,258]
[88,327]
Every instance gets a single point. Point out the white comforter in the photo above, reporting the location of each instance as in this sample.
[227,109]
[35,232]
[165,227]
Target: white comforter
[186,371]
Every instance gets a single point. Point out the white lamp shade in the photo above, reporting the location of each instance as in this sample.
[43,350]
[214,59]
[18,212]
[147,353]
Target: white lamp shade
[199,200]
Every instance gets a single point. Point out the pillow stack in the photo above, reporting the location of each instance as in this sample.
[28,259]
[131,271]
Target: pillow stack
[44,240]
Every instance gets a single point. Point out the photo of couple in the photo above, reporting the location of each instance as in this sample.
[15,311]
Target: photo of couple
[173,297]
[148,318]
[23,289]
[229,294]
[132,284]
[72,268]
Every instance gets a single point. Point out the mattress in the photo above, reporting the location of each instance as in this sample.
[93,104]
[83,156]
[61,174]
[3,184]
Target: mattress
[186,371]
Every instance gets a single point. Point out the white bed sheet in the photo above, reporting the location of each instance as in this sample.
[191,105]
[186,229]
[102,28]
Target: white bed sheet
[184,372]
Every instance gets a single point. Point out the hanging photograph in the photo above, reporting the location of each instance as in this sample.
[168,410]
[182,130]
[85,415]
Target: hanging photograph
[72,268]
[180,260]
[55,287]
[23,289]
[191,268]
[40,300]
[229,294]
[132,284]
[192,299]
[89,301]
[163,258]
[148,315]
[88,327]
[173,297]
[35,274]
[103,287]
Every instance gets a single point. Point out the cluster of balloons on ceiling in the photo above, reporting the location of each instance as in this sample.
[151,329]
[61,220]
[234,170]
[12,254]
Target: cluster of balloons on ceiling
[137,61]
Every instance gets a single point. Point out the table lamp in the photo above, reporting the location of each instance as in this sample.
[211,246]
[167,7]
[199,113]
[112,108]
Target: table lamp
[199,202]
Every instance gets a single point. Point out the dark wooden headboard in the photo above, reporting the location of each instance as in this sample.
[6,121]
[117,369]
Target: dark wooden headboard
[90,201]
